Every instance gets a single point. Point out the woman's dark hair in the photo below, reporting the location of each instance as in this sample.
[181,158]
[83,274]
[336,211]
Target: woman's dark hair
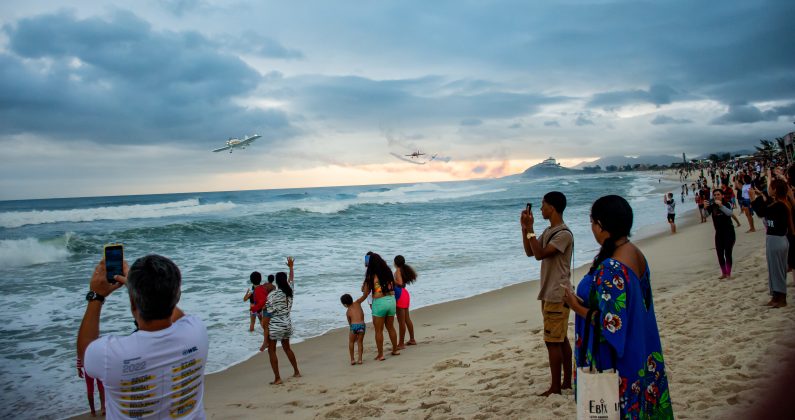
[377,267]
[747,179]
[256,278]
[271,278]
[406,272]
[346,299]
[283,284]
[614,215]
[780,189]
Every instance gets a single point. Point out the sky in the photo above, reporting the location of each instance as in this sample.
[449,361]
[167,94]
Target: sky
[118,97]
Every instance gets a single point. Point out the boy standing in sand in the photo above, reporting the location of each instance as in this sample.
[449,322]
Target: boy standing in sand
[355,316]
[554,249]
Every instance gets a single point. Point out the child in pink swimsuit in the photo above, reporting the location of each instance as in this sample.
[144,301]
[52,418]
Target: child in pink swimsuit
[404,275]
[90,389]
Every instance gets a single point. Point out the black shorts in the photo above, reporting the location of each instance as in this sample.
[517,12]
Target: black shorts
[671,217]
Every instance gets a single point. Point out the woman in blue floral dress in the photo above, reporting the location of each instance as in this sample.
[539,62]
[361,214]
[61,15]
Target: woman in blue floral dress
[629,339]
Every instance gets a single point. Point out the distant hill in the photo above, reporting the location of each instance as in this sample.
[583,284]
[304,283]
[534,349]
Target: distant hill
[630,160]
[549,168]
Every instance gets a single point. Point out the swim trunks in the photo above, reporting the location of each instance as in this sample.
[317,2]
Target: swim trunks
[671,217]
[384,306]
[358,328]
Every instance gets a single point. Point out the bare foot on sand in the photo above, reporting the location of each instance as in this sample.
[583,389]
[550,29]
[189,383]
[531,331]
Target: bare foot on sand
[359,361]
[395,352]
[548,393]
[353,362]
[411,343]
[277,381]
[380,357]
[297,374]
[722,277]
[401,346]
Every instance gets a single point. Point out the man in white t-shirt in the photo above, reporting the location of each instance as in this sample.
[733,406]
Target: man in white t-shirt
[157,371]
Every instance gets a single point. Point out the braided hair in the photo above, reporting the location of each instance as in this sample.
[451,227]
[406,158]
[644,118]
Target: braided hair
[614,214]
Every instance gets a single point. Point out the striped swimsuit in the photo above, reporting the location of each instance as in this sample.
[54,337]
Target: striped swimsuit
[279,306]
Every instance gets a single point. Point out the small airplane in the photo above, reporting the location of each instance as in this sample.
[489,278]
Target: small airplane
[235,143]
[415,155]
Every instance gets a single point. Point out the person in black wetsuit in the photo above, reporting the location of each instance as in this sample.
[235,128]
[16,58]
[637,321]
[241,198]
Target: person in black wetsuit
[778,221]
[724,232]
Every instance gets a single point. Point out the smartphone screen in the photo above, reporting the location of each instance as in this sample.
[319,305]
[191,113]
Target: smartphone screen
[114,257]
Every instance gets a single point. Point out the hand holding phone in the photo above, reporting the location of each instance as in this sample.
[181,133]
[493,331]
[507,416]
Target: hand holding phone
[529,208]
[114,261]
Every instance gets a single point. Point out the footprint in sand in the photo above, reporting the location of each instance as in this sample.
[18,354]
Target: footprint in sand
[355,411]
[474,336]
[485,331]
[426,325]
[522,322]
[449,364]
[462,325]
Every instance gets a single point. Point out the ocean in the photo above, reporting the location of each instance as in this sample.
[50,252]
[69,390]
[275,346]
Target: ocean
[463,238]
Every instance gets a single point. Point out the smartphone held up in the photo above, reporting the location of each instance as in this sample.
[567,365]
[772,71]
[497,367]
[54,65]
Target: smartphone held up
[114,261]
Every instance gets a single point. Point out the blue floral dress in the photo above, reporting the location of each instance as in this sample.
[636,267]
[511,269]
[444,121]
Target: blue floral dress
[629,336]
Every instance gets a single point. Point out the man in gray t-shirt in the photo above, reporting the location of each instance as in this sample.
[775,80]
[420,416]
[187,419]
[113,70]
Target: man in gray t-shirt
[554,249]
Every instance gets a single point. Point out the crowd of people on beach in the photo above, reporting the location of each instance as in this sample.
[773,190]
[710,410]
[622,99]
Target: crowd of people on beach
[615,323]
[758,187]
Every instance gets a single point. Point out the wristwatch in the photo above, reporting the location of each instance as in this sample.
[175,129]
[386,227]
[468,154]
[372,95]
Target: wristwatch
[92,295]
[531,235]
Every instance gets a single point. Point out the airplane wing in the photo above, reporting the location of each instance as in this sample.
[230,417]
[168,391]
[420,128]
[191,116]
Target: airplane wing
[249,140]
[222,149]
[406,160]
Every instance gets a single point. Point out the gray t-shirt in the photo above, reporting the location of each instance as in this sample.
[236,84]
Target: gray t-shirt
[556,270]
[671,206]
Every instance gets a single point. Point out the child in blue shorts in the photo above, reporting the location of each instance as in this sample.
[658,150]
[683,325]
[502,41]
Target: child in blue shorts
[355,316]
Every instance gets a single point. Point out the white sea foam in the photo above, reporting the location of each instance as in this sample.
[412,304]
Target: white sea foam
[31,251]
[176,208]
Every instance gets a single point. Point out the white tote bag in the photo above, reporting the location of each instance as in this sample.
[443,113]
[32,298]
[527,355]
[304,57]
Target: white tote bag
[597,392]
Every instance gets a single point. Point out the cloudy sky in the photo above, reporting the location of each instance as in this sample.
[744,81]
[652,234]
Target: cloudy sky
[119,97]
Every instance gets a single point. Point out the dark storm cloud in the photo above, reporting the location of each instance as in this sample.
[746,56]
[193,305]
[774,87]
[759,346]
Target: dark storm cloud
[423,100]
[657,95]
[665,119]
[117,80]
[744,113]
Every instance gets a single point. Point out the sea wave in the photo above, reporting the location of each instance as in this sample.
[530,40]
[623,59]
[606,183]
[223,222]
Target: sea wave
[33,251]
[135,211]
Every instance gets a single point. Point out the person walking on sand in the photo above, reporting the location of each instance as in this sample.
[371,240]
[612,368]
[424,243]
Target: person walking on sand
[554,249]
[404,275]
[670,205]
[614,304]
[745,202]
[380,282]
[722,214]
[280,326]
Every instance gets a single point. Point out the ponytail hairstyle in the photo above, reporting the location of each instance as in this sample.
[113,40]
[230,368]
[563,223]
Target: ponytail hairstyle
[406,272]
[377,267]
[614,215]
[283,284]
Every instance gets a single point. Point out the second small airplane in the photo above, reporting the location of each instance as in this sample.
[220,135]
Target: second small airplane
[235,143]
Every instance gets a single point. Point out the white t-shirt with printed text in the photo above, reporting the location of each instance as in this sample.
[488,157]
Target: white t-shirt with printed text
[152,374]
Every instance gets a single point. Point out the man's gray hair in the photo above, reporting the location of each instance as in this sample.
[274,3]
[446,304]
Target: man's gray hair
[154,286]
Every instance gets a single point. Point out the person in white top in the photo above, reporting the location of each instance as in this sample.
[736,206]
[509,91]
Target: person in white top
[157,371]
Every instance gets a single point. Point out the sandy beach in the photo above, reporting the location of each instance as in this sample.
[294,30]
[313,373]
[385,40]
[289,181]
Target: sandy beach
[483,357]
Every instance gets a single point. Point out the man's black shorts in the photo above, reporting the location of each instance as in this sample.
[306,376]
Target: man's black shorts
[671,217]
